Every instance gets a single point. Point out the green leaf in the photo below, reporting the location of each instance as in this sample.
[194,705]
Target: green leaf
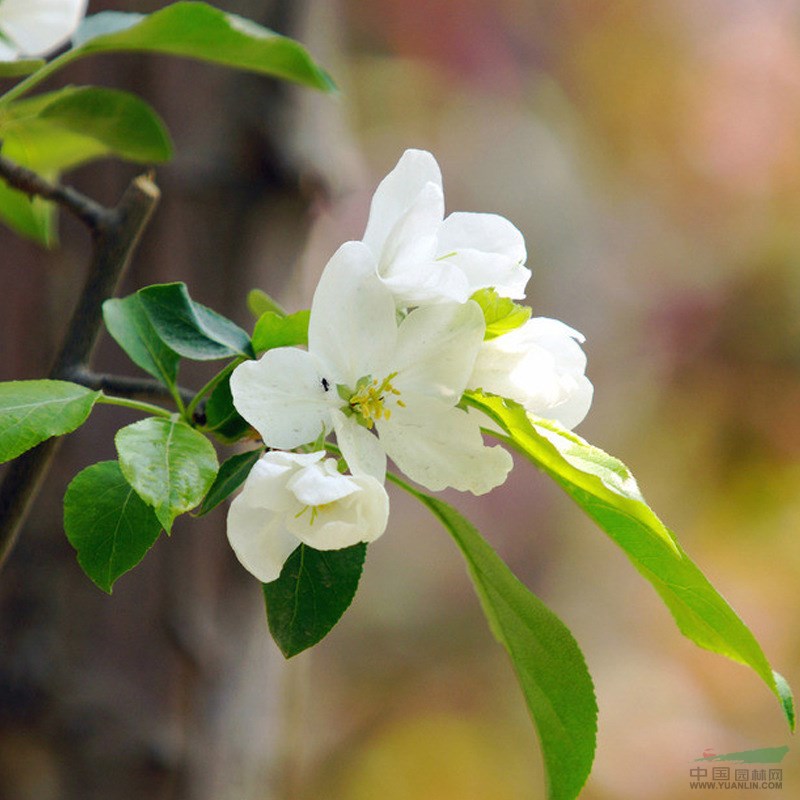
[314,589]
[197,30]
[32,411]
[15,69]
[170,465]
[259,302]
[550,667]
[130,326]
[62,129]
[605,489]
[230,477]
[222,418]
[501,313]
[32,218]
[191,329]
[107,523]
[273,330]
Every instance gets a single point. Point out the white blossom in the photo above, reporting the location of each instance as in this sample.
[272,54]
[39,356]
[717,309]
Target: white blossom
[424,257]
[294,498]
[364,374]
[30,28]
[541,366]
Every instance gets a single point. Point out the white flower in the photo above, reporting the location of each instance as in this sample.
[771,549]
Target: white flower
[423,257]
[541,366]
[35,27]
[363,374]
[289,498]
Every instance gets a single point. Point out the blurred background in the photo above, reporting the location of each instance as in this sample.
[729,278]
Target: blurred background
[650,154]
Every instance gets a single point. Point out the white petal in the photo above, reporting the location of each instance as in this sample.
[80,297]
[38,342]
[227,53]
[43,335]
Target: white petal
[573,410]
[352,325]
[436,349]
[396,193]
[488,249]
[282,396]
[317,485]
[361,449]
[267,485]
[8,53]
[39,26]
[439,446]
[260,540]
[361,516]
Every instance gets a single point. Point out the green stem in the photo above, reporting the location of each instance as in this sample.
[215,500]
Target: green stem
[210,386]
[35,78]
[139,405]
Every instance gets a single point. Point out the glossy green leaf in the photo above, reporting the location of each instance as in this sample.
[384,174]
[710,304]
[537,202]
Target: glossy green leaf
[107,523]
[130,327]
[170,465]
[191,329]
[314,589]
[273,330]
[197,30]
[501,313]
[232,474]
[259,302]
[606,490]
[222,418]
[32,411]
[549,665]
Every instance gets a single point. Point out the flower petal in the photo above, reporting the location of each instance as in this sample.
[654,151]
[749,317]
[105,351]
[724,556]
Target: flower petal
[488,249]
[361,516]
[439,446]
[352,325]
[267,485]
[258,537]
[436,349]
[38,26]
[396,193]
[282,396]
[361,449]
[318,485]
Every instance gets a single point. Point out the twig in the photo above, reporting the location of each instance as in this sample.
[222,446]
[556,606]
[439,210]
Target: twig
[115,234]
[90,213]
[124,386]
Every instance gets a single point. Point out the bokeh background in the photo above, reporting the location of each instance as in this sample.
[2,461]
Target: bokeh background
[650,153]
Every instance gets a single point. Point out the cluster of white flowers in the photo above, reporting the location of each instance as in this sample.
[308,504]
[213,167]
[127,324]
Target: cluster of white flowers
[31,28]
[394,341]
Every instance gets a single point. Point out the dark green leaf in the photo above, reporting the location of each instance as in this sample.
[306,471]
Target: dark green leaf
[129,325]
[314,589]
[32,411]
[197,30]
[605,489]
[170,465]
[273,330]
[230,477]
[501,314]
[550,667]
[191,329]
[222,419]
[259,302]
[107,523]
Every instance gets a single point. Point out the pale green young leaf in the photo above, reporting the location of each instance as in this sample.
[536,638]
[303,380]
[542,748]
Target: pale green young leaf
[549,665]
[107,523]
[130,327]
[273,330]
[500,313]
[16,69]
[170,465]
[606,490]
[313,591]
[32,218]
[32,411]
[259,302]
[190,329]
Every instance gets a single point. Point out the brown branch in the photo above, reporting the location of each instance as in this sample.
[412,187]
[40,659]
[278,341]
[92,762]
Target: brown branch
[90,213]
[115,234]
[124,386]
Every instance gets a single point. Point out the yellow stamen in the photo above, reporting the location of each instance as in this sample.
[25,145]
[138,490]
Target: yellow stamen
[369,400]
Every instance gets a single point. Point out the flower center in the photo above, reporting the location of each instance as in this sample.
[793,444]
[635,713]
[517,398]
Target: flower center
[368,401]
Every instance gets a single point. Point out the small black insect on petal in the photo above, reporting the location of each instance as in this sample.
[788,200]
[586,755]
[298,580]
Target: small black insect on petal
[325,384]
